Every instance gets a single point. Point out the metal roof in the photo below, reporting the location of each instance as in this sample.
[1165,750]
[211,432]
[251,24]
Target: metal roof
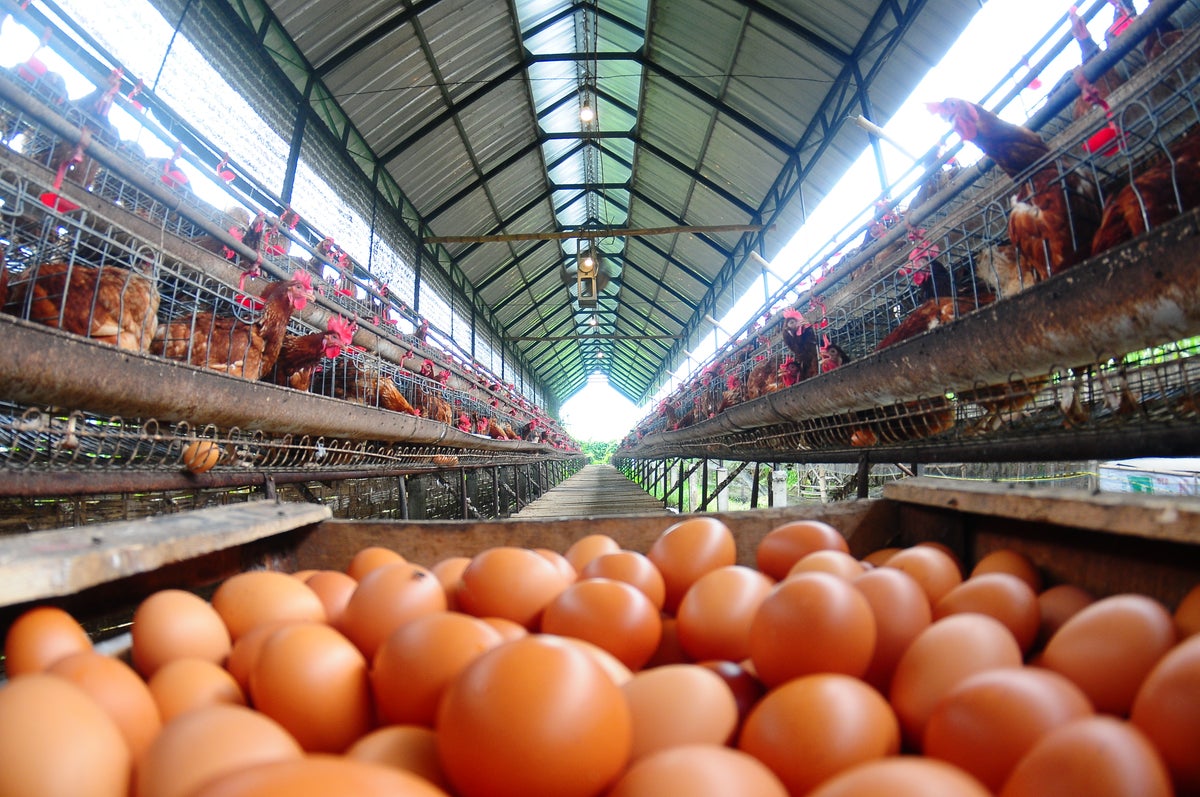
[709,113]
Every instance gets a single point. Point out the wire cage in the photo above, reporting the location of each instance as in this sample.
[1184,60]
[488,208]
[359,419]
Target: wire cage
[1118,375]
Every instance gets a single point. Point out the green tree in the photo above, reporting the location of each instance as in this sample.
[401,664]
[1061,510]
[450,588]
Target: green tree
[598,451]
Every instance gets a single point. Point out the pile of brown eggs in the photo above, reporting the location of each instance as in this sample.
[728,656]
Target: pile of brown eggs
[601,672]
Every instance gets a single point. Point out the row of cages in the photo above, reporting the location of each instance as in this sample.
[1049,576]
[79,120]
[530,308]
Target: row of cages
[117,252]
[1046,223]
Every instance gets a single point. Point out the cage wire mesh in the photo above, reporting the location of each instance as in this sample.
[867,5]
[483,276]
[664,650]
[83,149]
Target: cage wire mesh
[906,273]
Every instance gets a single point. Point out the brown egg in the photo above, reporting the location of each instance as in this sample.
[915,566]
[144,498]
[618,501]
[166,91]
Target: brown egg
[367,559]
[39,637]
[903,776]
[1093,756]
[1167,710]
[200,745]
[1109,648]
[55,741]
[987,723]
[812,623]
[264,596]
[585,549]
[679,704]
[901,611]
[415,664]
[687,550]
[838,563]
[669,650]
[334,588]
[838,722]
[617,672]
[632,568]
[387,598]
[935,570]
[411,748]
[879,557]
[698,770]
[118,690]
[173,624]
[449,575]
[1056,605]
[715,614]
[184,684]
[321,776]
[613,615]
[1002,596]
[245,653]
[787,544]
[313,681]
[941,657]
[560,562]
[1012,562]
[200,456]
[1187,614]
[514,583]
[507,629]
[747,689]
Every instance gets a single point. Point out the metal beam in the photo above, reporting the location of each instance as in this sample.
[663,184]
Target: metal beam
[590,234]
[595,337]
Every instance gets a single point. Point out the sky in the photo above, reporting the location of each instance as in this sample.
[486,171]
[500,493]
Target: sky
[1000,33]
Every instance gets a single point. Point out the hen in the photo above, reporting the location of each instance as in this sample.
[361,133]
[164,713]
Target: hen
[228,344]
[108,303]
[800,337]
[1166,188]
[1054,215]
[354,381]
[428,399]
[301,354]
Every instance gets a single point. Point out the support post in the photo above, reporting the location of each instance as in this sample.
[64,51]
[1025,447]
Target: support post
[779,487]
[704,485]
[403,485]
[464,499]
[754,486]
[722,488]
[863,477]
[682,480]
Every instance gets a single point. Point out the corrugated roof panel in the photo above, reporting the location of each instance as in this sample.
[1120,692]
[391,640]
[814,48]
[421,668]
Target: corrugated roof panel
[511,190]
[470,215]
[497,129]
[469,42]
[696,40]
[433,168]
[321,29]
[744,165]
[673,120]
[663,185]
[536,13]
[841,23]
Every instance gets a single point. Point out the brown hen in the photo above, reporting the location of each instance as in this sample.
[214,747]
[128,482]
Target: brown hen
[230,345]
[301,354]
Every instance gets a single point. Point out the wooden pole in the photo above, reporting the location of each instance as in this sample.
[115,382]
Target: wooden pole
[590,234]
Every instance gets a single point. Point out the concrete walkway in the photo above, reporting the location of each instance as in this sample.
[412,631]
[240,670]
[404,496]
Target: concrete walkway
[596,490]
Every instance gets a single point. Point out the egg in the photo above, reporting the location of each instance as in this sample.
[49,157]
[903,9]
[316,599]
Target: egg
[200,456]
[560,562]
[1056,605]
[1094,756]
[1002,596]
[839,563]
[514,583]
[581,552]
[901,611]
[941,657]
[185,684]
[933,568]
[449,574]
[747,689]
[687,550]
[1015,563]
[715,614]
[616,616]
[1167,710]
[1187,614]
[617,672]
[679,704]
[39,637]
[367,559]
[415,664]
[313,681]
[669,650]
[699,770]
[321,776]
[507,629]
[632,568]
[1110,646]
[173,624]
[334,588]
[902,777]
[55,741]
[536,717]
[245,652]
[987,723]
[118,690]
[812,623]
[837,721]
[263,596]
[412,748]
[387,598]
[783,546]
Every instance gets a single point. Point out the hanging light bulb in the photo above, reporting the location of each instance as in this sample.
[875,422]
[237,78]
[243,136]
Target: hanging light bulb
[586,114]
[595,321]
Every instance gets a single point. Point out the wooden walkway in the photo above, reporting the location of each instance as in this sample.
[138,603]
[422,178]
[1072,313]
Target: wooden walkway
[596,490]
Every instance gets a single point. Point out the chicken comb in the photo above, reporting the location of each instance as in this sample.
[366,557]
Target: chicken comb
[304,278]
[343,328]
[792,312]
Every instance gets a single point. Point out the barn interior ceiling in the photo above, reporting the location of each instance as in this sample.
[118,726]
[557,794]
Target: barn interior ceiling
[601,171]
